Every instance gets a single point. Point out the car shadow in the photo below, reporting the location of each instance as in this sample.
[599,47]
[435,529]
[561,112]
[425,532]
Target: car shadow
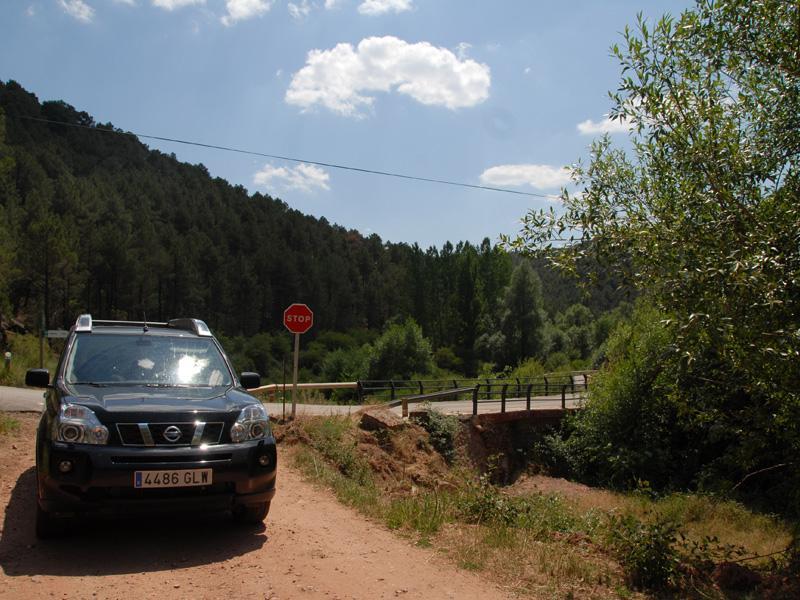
[118,546]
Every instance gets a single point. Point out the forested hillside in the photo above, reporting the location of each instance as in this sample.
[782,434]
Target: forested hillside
[94,221]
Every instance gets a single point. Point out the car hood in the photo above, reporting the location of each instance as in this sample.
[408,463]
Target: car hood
[133,399]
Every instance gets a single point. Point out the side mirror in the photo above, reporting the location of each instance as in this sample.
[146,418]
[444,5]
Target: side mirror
[249,380]
[37,378]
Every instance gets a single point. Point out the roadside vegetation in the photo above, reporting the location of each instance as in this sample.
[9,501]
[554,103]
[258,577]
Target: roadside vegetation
[544,542]
[7,424]
[698,213]
[24,350]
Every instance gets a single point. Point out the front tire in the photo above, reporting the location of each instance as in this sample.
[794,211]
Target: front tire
[48,526]
[251,514]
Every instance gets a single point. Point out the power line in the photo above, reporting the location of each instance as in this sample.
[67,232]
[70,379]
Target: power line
[292,159]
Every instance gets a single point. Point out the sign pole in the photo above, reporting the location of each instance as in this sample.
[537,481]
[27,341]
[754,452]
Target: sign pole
[294,377]
[298,319]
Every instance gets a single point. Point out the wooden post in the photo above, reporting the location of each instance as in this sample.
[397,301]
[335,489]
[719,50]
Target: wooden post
[528,396]
[475,398]
[503,398]
[564,397]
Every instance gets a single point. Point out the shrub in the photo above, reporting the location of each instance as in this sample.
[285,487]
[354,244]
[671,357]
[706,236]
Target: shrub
[442,430]
[627,433]
[646,550]
[483,503]
[400,352]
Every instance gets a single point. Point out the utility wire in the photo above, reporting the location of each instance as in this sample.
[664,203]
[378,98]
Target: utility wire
[291,159]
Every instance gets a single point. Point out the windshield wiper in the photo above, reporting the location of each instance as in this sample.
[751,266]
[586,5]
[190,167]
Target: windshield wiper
[91,383]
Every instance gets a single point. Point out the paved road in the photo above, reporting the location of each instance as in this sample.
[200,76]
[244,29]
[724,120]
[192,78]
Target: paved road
[21,399]
[24,399]
[464,407]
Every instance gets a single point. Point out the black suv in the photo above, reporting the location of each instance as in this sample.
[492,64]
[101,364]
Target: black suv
[148,417]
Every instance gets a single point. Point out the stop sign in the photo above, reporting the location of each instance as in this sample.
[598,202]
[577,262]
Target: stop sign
[298,318]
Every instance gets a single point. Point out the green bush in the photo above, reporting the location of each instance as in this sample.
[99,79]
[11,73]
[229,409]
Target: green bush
[482,503]
[442,430]
[627,433]
[400,352]
[646,551]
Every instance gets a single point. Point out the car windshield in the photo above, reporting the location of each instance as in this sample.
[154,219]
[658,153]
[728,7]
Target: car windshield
[144,359]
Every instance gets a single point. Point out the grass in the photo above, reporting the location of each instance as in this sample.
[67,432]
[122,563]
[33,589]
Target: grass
[7,424]
[24,350]
[540,544]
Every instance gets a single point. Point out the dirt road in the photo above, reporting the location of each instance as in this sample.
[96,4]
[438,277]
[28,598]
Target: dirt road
[311,547]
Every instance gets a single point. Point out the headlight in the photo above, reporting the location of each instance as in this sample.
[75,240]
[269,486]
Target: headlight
[77,424]
[252,424]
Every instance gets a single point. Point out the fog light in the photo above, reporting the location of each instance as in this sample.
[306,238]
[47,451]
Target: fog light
[263,460]
[65,466]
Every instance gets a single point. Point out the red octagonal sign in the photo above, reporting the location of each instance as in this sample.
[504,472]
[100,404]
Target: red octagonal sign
[298,318]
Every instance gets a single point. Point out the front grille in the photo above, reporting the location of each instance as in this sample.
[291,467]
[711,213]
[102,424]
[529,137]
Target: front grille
[158,434]
[169,458]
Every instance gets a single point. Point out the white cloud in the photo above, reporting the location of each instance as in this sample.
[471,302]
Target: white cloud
[304,177]
[340,78]
[128,2]
[380,7]
[331,4]
[240,10]
[174,4]
[462,49]
[527,70]
[541,177]
[299,11]
[607,125]
[31,11]
[78,9]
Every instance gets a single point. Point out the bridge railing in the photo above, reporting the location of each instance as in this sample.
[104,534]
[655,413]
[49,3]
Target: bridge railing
[552,386]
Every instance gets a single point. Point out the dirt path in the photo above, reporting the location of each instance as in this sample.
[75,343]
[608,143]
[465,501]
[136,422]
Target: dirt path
[312,547]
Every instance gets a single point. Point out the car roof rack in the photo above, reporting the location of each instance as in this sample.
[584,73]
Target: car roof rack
[196,326]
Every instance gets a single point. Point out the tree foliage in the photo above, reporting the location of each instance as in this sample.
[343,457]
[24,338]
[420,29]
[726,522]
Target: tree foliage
[700,213]
[91,220]
[400,353]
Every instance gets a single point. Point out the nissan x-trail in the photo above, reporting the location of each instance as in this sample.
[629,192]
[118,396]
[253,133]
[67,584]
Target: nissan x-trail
[146,417]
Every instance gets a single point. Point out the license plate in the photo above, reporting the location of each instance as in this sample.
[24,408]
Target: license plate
[172,478]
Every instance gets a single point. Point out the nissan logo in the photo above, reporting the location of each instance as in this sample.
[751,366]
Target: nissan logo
[172,434]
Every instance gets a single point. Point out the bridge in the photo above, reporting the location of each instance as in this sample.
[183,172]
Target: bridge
[554,393]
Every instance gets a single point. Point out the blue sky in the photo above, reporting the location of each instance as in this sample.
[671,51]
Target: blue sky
[502,93]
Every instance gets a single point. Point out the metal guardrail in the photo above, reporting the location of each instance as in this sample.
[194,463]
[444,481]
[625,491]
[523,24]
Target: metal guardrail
[402,392]
[560,385]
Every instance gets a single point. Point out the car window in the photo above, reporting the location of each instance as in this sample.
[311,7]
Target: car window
[146,359]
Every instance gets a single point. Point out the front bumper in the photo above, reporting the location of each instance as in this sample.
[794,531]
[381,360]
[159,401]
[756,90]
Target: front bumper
[101,479]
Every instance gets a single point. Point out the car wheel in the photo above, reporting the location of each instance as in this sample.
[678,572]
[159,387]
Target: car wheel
[48,526]
[251,513]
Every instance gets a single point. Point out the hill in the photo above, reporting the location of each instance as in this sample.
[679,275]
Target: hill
[95,221]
